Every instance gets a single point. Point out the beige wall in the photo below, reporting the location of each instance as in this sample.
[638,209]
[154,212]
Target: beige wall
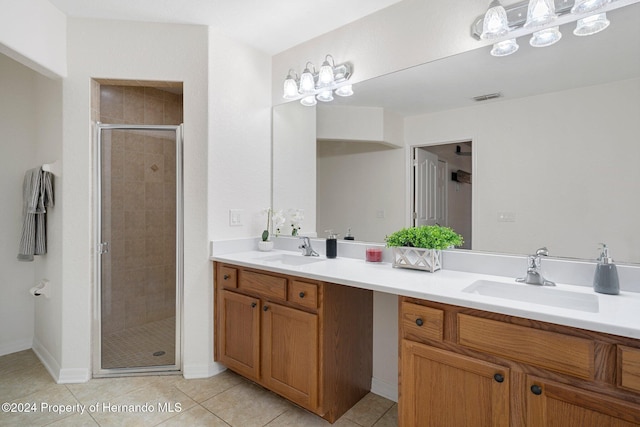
[357,188]
[17,155]
[575,177]
[30,119]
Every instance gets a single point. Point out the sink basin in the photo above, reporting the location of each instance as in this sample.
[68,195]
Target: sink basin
[291,259]
[548,296]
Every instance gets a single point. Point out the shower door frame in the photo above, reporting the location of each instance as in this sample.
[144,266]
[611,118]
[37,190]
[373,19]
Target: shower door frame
[176,368]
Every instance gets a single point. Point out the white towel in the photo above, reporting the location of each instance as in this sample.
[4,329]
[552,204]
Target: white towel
[38,196]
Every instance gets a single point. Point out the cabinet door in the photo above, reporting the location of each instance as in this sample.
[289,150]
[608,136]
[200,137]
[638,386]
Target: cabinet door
[551,404]
[440,388]
[240,333]
[290,353]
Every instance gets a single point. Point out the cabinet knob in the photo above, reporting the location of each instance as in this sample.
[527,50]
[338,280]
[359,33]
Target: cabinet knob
[226,277]
[253,305]
[301,294]
[536,389]
[265,308]
[499,378]
[419,322]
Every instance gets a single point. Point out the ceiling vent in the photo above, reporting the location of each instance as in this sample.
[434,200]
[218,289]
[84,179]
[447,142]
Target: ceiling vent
[487,97]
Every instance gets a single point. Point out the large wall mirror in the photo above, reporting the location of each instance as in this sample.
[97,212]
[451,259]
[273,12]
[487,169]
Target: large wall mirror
[554,161]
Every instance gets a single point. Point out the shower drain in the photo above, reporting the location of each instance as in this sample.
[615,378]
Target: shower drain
[159,353]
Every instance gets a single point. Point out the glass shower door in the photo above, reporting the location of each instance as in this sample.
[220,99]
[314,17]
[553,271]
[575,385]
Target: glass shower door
[139,249]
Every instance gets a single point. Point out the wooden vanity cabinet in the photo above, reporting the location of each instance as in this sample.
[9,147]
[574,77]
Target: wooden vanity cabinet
[309,341]
[239,333]
[461,366]
[442,388]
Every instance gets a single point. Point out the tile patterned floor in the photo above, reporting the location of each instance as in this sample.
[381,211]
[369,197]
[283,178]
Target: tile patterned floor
[134,347]
[221,401]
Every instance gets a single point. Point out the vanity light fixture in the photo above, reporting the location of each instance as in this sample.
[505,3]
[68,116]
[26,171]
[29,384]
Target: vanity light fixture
[540,13]
[504,48]
[546,37]
[307,81]
[346,90]
[291,86]
[587,6]
[495,22]
[315,86]
[325,76]
[540,16]
[591,24]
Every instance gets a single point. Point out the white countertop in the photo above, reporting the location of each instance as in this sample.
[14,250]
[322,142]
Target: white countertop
[617,314]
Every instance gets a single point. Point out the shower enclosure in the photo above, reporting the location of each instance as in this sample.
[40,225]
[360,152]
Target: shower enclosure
[139,249]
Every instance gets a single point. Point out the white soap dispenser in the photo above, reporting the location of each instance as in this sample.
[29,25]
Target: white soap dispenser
[605,280]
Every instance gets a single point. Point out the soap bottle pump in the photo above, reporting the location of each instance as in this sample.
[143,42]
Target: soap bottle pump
[332,244]
[349,236]
[605,280]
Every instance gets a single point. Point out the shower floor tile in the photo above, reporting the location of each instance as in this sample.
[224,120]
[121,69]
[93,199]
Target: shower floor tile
[135,347]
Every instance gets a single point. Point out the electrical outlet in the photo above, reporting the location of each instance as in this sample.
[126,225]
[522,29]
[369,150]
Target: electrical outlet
[380,213]
[235,217]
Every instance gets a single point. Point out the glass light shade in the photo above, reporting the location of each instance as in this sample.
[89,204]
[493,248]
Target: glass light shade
[495,23]
[325,96]
[504,48]
[591,25]
[586,6]
[325,77]
[290,88]
[540,12]
[345,90]
[308,101]
[545,37]
[307,84]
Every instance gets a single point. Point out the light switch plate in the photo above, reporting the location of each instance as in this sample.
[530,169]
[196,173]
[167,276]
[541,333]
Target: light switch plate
[235,217]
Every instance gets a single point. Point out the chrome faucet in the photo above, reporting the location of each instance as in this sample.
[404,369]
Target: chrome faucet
[307,250]
[534,276]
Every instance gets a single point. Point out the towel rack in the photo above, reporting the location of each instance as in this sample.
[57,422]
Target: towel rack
[54,168]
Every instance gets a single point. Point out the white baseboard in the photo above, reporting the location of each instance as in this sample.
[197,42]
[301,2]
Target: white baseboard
[74,376]
[202,371]
[49,362]
[384,389]
[60,376]
[15,346]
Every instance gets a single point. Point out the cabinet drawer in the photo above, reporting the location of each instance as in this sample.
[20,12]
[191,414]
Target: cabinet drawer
[419,322]
[303,293]
[629,365]
[263,284]
[551,350]
[228,277]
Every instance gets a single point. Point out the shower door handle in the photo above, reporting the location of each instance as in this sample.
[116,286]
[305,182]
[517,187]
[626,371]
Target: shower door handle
[103,248]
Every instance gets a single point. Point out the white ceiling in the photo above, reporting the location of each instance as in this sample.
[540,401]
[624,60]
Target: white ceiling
[268,25]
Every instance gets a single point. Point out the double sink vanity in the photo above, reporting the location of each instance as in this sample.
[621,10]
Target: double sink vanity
[471,346]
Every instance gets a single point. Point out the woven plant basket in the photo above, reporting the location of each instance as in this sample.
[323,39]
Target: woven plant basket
[417,258]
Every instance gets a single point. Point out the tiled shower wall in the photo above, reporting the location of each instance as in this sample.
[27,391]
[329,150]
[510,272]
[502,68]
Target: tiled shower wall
[139,186]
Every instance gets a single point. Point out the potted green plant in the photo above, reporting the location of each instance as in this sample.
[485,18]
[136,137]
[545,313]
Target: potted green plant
[421,247]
